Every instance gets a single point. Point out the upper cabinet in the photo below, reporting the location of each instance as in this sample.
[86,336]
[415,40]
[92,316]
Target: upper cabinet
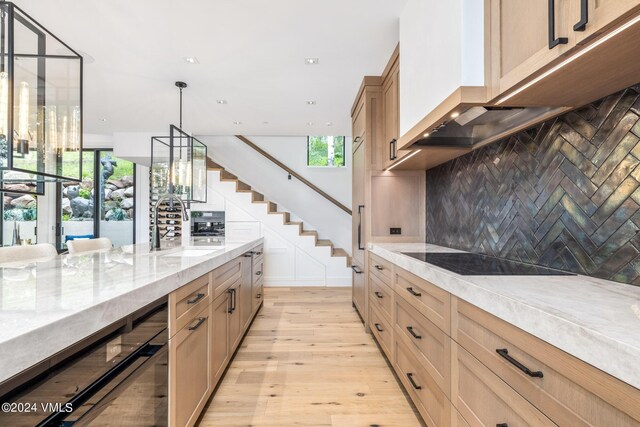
[391,112]
[543,57]
[561,52]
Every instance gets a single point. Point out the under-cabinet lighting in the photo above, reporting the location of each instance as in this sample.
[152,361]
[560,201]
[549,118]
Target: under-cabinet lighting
[426,134]
[403,160]
[571,59]
[455,115]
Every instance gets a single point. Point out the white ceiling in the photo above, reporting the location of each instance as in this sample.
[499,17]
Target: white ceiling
[251,54]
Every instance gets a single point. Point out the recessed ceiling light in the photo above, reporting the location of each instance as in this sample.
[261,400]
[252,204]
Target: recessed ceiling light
[191,60]
[237,122]
[329,124]
[311,102]
[221,101]
[103,119]
[310,123]
[265,123]
[311,61]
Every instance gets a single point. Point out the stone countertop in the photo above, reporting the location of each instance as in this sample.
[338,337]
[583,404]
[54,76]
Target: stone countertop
[595,320]
[49,305]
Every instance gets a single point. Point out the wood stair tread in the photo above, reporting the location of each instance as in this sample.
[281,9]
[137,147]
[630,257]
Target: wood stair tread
[272,207]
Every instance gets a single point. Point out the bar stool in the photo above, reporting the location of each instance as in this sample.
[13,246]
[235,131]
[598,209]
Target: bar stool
[78,246]
[27,253]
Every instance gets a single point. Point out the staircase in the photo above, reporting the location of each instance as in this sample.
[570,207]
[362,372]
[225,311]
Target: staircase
[272,209]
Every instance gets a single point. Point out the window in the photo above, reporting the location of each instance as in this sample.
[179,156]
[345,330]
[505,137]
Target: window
[110,214]
[325,151]
[19,214]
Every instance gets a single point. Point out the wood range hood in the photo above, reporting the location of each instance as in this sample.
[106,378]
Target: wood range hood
[474,116]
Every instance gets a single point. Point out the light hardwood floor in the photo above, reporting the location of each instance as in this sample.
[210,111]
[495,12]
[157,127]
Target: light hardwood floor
[307,361]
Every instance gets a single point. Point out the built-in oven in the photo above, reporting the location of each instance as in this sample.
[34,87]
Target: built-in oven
[209,223]
[119,381]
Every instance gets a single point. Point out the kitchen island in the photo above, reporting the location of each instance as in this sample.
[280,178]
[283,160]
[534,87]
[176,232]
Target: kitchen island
[48,306]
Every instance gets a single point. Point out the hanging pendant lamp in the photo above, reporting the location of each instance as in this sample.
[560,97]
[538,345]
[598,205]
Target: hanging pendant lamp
[40,105]
[179,163]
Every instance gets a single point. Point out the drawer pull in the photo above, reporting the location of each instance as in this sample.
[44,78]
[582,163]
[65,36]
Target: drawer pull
[502,425]
[414,293]
[504,353]
[258,273]
[379,267]
[198,323]
[378,327]
[379,294]
[411,331]
[258,296]
[413,383]
[356,269]
[196,299]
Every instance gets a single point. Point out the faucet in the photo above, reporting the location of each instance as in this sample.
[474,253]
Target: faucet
[155,235]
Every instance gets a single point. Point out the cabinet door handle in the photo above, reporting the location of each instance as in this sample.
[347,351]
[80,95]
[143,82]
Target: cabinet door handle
[553,41]
[356,269]
[413,383]
[357,139]
[413,333]
[379,294]
[379,267]
[502,425]
[581,25]
[393,149]
[232,293]
[378,327]
[197,324]
[414,293]
[504,353]
[197,298]
[360,247]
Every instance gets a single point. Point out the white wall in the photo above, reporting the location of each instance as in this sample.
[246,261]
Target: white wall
[267,178]
[441,48]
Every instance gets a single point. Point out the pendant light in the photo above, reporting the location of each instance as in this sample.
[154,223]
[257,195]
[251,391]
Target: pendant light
[179,163]
[40,105]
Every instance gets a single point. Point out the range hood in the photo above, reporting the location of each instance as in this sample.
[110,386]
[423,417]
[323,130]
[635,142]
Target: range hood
[481,124]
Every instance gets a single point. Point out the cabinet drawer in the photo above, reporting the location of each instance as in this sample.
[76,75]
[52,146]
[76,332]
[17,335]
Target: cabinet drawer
[186,302]
[225,276]
[433,302]
[425,393]
[258,254]
[433,347]
[189,375]
[381,268]
[483,399]
[258,272]
[381,296]
[570,392]
[381,329]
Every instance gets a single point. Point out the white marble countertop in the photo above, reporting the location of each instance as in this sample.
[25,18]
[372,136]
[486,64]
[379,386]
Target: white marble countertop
[595,320]
[47,306]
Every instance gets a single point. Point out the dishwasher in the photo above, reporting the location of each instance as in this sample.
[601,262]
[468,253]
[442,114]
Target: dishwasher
[120,380]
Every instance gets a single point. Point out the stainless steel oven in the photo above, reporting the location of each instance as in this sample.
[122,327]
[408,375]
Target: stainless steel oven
[119,381]
[209,223]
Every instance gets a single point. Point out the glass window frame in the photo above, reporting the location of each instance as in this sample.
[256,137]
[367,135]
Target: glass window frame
[97,205]
[344,152]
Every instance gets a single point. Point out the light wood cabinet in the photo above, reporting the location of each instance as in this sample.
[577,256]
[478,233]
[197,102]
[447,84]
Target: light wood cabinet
[220,353]
[359,292]
[520,38]
[391,116]
[189,372]
[565,389]
[245,297]
[602,14]
[485,400]
[358,217]
[212,328]
[462,366]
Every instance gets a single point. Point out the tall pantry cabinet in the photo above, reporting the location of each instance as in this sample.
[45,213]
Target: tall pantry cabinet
[388,205]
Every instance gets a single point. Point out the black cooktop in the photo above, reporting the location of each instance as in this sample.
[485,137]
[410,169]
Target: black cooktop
[468,264]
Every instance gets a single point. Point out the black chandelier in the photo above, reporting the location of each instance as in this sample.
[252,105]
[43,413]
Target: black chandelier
[40,105]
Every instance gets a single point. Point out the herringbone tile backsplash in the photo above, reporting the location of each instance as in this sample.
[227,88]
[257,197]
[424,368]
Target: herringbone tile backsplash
[565,194]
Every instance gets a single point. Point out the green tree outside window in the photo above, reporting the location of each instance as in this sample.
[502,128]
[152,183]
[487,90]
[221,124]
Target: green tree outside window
[325,151]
